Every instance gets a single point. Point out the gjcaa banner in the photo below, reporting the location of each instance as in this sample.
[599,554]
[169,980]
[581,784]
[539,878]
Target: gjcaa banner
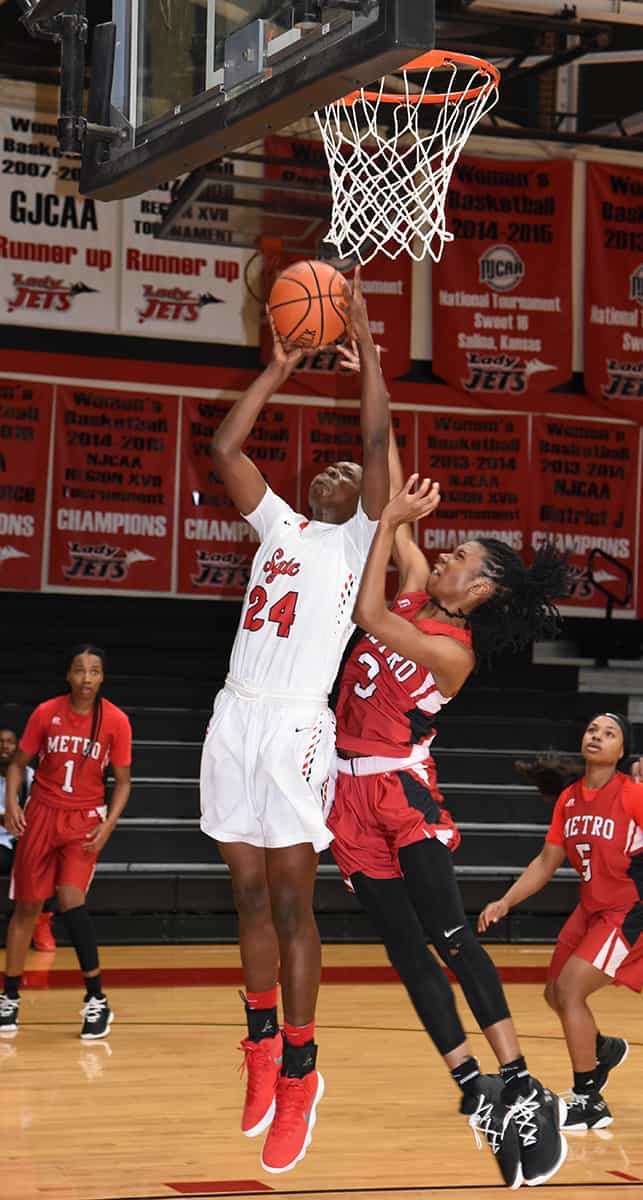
[25,427]
[216,545]
[584,490]
[502,292]
[614,282]
[481,461]
[112,523]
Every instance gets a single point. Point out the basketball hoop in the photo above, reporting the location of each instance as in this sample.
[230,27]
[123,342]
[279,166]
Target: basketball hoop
[390,174]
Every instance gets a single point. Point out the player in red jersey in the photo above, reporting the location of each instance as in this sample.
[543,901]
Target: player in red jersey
[65,825]
[598,826]
[392,836]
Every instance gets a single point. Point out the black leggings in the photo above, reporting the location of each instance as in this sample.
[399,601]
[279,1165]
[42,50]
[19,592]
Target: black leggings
[426,903]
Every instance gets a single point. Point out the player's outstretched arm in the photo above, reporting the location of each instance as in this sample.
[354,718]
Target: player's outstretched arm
[407,556]
[533,878]
[448,660]
[374,414]
[244,484]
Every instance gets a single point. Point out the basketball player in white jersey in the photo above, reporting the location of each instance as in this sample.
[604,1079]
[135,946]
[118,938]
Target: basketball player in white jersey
[270,742]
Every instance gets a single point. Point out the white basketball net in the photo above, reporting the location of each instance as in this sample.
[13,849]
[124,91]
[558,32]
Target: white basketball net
[389,185]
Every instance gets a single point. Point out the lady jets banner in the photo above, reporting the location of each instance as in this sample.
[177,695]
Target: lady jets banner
[502,292]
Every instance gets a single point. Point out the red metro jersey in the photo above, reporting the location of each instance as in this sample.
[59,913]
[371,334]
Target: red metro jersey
[386,702]
[70,772]
[601,832]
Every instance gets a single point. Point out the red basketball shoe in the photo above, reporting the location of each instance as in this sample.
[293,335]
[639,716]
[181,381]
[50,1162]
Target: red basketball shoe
[295,1116]
[43,939]
[262,1061]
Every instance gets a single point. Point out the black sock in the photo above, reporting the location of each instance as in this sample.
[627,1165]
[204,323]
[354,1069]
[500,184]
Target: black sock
[515,1075]
[93,986]
[584,1082]
[12,986]
[262,1023]
[466,1073]
[298,1060]
[600,1042]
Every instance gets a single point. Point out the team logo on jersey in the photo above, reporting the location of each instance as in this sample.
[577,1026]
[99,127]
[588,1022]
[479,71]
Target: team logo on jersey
[214,569]
[56,720]
[501,268]
[636,284]
[501,372]
[45,293]
[172,304]
[280,565]
[624,379]
[569,803]
[107,563]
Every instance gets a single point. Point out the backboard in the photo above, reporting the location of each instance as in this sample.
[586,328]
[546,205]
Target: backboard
[196,79]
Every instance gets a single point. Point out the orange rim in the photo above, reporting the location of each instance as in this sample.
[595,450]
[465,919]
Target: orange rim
[426,62]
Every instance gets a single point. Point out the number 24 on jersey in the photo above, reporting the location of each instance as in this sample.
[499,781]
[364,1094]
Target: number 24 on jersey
[281,613]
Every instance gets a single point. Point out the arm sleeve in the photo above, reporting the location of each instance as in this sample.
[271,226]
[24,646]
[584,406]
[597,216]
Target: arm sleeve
[31,740]
[633,801]
[270,509]
[556,832]
[359,533]
[121,752]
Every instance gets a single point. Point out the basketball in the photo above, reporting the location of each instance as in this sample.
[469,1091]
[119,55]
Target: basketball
[309,305]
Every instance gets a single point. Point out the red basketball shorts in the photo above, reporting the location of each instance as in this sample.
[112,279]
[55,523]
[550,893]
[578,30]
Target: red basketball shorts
[51,851]
[375,813]
[611,941]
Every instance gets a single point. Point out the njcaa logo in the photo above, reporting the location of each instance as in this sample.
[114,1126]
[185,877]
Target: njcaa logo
[501,372]
[624,379]
[278,565]
[636,284]
[172,304]
[231,570]
[107,563]
[501,268]
[45,293]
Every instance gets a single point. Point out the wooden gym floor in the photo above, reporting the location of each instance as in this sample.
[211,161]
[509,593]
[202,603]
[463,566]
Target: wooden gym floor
[153,1111]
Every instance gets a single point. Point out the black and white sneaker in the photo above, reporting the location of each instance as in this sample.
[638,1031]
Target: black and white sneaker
[8,1013]
[614,1051]
[97,1018]
[488,1119]
[538,1115]
[587,1111]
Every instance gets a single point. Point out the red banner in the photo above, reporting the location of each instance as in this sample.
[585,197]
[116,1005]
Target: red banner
[387,284]
[482,465]
[112,523]
[216,546]
[614,282]
[584,491]
[502,293]
[25,426]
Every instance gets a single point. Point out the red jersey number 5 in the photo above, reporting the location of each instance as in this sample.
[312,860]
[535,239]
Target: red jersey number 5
[282,612]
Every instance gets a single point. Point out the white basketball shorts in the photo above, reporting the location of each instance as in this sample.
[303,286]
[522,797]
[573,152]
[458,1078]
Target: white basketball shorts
[264,771]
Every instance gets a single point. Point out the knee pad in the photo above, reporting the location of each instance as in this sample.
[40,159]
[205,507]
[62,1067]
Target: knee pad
[82,936]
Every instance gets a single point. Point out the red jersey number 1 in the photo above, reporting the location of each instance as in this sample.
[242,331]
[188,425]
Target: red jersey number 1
[282,612]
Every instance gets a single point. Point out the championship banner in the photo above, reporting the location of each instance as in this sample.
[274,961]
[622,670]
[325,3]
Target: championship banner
[25,426]
[58,250]
[179,289]
[584,493]
[614,282]
[216,546]
[112,523]
[502,292]
[386,284]
[481,462]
